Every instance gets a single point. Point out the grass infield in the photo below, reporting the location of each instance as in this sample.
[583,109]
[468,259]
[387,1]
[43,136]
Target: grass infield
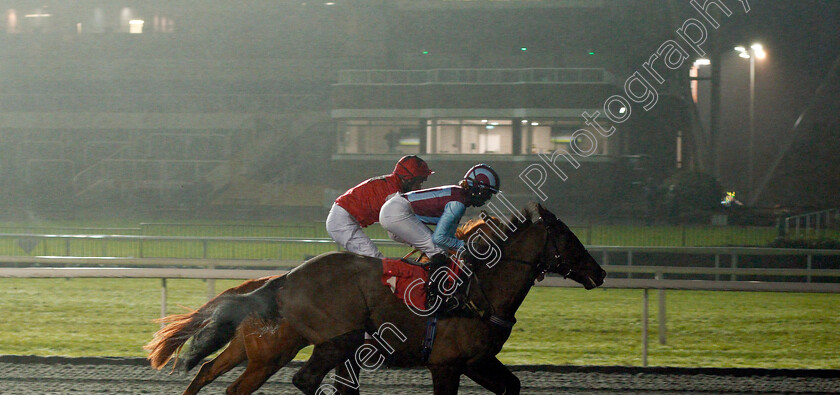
[113,317]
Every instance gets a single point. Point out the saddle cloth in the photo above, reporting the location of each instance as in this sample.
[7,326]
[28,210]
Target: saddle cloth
[399,275]
[408,281]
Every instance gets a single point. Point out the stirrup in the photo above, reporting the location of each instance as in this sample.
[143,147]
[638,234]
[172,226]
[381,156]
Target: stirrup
[454,305]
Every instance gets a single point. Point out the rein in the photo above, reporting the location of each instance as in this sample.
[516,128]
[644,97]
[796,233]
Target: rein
[490,316]
[543,267]
[540,269]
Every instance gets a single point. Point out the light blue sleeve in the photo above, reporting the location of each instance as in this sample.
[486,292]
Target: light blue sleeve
[444,235]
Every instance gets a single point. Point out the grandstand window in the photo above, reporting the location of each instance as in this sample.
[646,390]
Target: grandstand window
[81,20]
[11,21]
[460,136]
[379,137]
[471,136]
[547,135]
[350,137]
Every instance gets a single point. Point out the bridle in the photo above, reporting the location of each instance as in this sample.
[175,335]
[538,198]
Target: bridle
[557,261]
[539,270]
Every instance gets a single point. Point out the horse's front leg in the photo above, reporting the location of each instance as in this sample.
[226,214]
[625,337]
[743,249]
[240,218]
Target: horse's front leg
[492,374]
[350,370]
[446,379]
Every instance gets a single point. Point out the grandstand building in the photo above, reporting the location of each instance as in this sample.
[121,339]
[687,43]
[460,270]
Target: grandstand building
[277,107]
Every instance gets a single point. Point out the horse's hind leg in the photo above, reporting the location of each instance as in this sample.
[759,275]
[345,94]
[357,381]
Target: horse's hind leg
[269,348]
[232,356]
[326,356]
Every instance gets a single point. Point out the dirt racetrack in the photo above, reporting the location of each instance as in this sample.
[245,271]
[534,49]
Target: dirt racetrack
[29,375]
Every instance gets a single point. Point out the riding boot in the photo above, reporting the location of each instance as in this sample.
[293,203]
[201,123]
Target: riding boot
[448,303]
[436,262]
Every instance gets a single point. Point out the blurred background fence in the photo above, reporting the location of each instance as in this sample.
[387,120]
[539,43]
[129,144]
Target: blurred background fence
[286,245]
[681,235]
[277,241]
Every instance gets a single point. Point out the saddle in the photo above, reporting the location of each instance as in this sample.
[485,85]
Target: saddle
[407,279]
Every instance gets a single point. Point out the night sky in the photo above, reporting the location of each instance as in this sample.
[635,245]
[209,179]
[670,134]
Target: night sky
[802,41]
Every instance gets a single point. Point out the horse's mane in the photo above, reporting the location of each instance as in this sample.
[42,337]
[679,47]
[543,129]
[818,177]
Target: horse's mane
[467,228]
[513,227]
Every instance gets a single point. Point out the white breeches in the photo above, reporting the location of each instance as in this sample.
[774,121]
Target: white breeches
[347,232]
[397,217]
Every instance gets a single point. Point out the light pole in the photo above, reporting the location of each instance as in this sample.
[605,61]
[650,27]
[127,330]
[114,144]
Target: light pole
[751,53]
[696,75]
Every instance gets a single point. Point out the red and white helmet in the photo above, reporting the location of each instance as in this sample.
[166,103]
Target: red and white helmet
[482,176]
[411,166]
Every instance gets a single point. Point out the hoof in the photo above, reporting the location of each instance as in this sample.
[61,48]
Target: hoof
[304,384]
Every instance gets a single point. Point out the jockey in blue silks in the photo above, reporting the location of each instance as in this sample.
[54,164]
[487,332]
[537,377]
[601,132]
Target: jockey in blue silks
[405,216]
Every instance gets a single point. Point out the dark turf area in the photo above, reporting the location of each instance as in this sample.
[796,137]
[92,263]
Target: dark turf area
[58,375]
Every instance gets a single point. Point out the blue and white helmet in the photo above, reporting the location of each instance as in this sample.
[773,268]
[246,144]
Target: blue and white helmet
[482,176]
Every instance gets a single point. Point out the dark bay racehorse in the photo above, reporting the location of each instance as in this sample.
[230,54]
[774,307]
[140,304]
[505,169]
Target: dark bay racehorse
[333,299]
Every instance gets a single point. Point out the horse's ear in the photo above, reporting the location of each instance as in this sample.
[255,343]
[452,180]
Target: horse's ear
[546,215]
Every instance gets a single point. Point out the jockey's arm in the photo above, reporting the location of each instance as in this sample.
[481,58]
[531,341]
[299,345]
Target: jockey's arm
[444,235]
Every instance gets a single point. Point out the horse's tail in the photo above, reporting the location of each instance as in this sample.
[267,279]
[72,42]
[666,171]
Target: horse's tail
[219,327]
[169,340]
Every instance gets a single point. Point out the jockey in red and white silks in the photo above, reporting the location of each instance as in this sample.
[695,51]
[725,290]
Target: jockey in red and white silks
[404,215]
[359,207]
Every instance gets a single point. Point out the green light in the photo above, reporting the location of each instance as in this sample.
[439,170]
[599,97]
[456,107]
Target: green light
[523,49]
[425,52]
[592,52]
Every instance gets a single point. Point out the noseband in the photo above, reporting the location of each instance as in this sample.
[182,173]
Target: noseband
[558,260]
[540,269]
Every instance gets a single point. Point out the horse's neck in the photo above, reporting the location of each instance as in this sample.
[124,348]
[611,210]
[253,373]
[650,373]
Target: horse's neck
[508,288]
[507,285]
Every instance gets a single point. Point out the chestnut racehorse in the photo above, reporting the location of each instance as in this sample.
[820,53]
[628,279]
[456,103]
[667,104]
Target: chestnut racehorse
[333,299]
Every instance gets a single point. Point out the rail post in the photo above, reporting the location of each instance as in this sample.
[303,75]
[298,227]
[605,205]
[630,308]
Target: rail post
[645,328]
[817,225]
[734,261]
[807,225]
[162,300]
[661,315]
[211,284]
[809,265]
[797,226]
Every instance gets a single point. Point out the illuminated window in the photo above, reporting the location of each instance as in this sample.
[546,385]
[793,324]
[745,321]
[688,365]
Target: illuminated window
[472,136]
[135,26]
[11,21]
[379,137]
